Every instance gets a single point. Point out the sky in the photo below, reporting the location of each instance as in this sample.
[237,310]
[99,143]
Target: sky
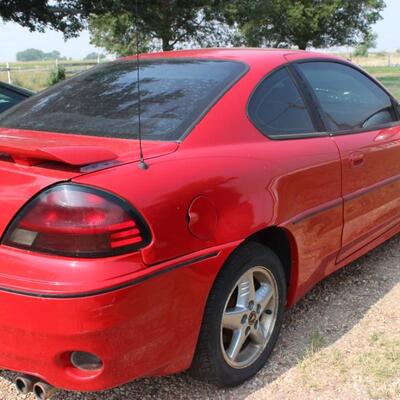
[14,38]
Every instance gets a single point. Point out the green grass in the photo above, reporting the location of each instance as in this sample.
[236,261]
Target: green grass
[388,76]
[383,70]
[35,81]
[35,75]
[374,364]
[317,342]
[391,83]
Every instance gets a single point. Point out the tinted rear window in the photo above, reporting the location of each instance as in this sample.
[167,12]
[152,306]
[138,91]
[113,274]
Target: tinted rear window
[104,100]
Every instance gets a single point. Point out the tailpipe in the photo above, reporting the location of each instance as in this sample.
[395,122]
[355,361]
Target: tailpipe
[24,383]
[43,390]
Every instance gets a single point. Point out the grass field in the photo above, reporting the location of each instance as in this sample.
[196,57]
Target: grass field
[35,75]
[389,77]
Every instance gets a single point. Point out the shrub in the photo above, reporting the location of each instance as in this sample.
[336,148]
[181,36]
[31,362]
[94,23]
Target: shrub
[56,75]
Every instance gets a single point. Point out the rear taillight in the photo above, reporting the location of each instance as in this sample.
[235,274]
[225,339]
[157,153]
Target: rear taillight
[78,221]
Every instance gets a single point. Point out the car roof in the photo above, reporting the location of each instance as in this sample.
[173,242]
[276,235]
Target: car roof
[247,55]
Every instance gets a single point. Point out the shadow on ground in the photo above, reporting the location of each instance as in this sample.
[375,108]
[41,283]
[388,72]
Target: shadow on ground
[330,310]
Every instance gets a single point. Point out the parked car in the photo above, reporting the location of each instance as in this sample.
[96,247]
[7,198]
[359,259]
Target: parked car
[11,95]
[258,174]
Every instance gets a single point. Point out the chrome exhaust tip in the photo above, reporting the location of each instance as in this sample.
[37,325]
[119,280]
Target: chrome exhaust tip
[24,383]
[43,390]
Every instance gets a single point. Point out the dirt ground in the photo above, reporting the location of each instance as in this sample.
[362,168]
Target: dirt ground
[341,342]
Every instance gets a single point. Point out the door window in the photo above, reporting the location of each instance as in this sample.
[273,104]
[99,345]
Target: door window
[349,99]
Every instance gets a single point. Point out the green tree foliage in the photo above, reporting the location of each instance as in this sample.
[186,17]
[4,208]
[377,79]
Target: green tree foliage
[169,24]
[53,55]
[94,56]
[166,23]
[38,55]
[66,16]
[368,42]
[303,23]
[30,55]
[116,34]
[58,74]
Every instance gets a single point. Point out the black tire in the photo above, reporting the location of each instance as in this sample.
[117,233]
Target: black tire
[209,363]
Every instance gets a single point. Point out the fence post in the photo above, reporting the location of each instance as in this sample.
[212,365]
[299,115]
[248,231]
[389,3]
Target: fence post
[9,73]
[389,60]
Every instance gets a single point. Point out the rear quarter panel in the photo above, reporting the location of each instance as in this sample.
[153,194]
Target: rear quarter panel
[252,182]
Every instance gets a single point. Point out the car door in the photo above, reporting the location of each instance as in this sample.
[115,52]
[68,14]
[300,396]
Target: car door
[363,120]
[303,171]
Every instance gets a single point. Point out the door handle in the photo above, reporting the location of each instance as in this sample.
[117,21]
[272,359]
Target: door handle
[356,159]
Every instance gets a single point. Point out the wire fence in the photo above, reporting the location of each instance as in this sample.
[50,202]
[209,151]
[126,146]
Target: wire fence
[377,60]
[34,75]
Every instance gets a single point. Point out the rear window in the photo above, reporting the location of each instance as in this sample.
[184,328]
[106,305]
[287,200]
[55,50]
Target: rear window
[104,101]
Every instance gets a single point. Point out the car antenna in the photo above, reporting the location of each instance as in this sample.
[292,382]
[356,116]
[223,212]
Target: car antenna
[142,163]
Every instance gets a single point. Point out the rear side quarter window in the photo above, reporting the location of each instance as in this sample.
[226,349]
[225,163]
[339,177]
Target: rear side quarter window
[277,107]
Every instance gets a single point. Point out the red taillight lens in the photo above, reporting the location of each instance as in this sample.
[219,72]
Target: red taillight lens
[78,221]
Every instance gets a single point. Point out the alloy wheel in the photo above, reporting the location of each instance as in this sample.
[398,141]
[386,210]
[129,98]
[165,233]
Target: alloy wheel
[249,317]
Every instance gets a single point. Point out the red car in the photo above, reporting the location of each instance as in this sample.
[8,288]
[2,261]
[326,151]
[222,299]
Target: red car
[263,172]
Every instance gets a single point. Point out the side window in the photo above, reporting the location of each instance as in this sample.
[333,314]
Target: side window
[8,99]
[276,108]
[349,99]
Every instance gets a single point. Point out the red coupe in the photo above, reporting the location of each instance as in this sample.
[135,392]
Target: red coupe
[261,173]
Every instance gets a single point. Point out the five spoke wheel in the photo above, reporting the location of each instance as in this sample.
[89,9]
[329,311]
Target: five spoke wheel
[249,317]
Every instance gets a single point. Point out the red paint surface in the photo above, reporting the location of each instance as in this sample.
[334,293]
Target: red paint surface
[251,182]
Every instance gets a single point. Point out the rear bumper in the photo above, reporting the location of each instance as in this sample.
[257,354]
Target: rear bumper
[147,327]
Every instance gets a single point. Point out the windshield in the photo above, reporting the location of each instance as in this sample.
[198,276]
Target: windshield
[104,101]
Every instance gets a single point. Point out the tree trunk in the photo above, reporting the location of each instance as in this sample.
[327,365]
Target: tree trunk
[166,46]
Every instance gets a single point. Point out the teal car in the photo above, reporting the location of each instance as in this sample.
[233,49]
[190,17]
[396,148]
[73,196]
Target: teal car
[10,95]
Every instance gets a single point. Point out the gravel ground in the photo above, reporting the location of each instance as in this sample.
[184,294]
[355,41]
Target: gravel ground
[354,303]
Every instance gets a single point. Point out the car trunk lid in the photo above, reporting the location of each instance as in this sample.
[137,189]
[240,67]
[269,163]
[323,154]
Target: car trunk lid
[32,161]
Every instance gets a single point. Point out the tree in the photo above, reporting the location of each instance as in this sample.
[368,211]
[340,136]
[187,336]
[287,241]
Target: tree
[66,16]
[94,56]
[163,23]
[303,23]
[30,55]
[368,42]
[116,34]
[38,55]
[53,55]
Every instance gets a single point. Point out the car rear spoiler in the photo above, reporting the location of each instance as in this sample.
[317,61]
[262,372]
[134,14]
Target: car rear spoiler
[74,155]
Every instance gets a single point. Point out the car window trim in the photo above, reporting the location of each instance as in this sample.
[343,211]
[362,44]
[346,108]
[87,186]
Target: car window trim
[16,90]
[331,132]
[11,94]
[213,101]
[314,117]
